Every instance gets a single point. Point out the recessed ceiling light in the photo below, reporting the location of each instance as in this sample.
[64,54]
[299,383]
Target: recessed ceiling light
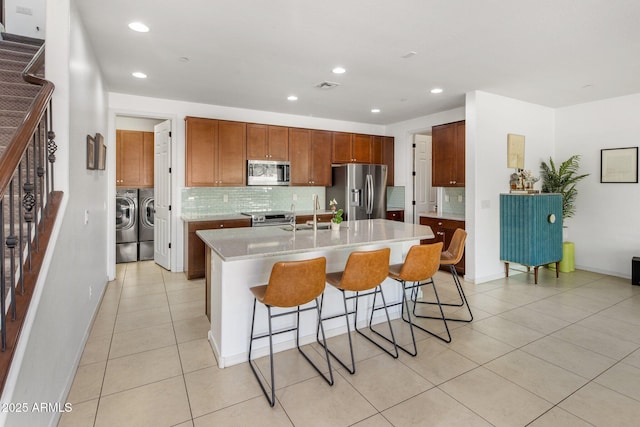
[375,110]
[139,27]
[339,70]
[139,75]
[436,90]
[292,98]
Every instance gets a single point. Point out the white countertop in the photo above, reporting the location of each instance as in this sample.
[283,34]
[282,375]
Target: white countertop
[258,242]
[455,217]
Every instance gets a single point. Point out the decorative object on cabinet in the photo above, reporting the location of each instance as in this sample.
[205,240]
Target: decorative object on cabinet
[515,151]
[530,233]
[101,152]
[619,165]
[562,180]
[91,152]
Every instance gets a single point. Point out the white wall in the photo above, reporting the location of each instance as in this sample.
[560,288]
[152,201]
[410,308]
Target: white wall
[489,118]
[136,123]
[606,226]
[138,106]
[25,25]
[43,372]
[403,152]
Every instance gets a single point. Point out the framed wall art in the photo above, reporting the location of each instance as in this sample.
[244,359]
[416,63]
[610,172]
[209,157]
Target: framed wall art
[619,165]
[515,151]
[91,152]
[101,152]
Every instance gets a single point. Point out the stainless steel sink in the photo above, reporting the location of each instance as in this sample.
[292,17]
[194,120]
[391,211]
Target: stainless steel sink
[299,227]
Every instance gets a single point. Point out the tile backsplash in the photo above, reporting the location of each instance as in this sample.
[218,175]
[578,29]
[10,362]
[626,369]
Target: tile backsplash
[453,200]
[395,197]
[211,200]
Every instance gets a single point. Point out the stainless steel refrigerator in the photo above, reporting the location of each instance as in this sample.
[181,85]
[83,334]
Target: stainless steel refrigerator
[360,190]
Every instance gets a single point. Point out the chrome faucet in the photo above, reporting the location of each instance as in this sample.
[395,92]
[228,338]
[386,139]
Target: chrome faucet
[316,206]
[293,217]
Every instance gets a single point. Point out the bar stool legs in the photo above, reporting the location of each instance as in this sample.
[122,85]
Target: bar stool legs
[461,294]
[362,276]
[393,353]
[291,284]
[421,263]
[270,395]
[451,257]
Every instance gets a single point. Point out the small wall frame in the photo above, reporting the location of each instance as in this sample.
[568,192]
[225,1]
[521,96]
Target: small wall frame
[515,151]
[101,152]
[619,165]
[91,152]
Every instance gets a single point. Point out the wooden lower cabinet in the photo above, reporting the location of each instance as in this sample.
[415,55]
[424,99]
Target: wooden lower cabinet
[396,215]
[194,248]
[443,230]
[301,219]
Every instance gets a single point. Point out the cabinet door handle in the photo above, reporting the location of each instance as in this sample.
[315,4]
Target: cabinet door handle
[440,233]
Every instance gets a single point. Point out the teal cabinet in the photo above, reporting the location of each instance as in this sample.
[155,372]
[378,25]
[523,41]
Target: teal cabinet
[530,230]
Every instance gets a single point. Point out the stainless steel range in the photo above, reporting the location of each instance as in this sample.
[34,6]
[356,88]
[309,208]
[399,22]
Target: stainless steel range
[265,218]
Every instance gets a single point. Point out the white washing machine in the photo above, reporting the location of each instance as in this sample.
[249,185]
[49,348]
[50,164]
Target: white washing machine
[146,213]
[126,225]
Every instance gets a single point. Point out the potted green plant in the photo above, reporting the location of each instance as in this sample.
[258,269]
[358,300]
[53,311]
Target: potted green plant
[562,180]
[336,220]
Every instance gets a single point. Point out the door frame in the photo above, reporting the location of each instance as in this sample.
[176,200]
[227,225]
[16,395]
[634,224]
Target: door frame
[111,191]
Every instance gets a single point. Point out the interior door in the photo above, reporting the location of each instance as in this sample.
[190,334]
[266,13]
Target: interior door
[424,193]
[162,184]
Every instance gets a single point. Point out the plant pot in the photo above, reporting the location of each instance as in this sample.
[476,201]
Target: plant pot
[335,226]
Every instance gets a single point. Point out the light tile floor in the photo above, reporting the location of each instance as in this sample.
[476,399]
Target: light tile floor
[565,352]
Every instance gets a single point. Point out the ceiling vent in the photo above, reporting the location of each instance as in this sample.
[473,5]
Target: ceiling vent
[327,85]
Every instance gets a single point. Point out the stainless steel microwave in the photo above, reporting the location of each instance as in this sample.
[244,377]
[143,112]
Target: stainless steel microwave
[261,172]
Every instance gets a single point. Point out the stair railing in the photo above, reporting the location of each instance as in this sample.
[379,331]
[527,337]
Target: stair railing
[28,208]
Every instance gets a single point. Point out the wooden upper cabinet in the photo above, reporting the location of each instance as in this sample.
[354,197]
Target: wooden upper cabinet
[341,145]
[310,156]
[448,152]
[232,154]
[215,153]
[147,159]
[321,158]
[134,158]
[201,141]
[352,148]
[278,142]
[256,141]
[377,148]
[361,148]
[300,156]
[265,142]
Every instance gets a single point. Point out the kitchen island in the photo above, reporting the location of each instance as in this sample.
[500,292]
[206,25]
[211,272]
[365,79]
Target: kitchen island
[240,258]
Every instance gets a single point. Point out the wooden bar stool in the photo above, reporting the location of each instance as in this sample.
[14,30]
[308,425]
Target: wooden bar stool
[451,257]
[362,276]
[420,264]
[291,284]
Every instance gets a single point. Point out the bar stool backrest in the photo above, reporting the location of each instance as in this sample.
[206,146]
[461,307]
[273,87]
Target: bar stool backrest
[365,270]
[421,263]
[294,283]
[454,252]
